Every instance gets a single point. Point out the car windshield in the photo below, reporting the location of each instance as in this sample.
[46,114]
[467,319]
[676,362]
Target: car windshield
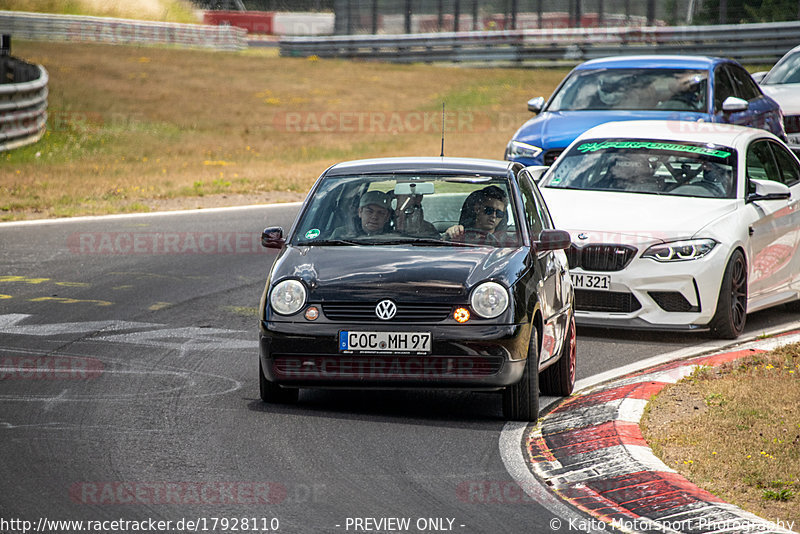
[411,209]
[787,70]
[632,89]
[647,166]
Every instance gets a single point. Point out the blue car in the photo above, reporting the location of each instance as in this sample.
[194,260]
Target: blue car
[685,88]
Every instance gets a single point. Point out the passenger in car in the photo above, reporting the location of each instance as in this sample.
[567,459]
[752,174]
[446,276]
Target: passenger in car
[483,219]
[373,216]
[633,174]
[409,217]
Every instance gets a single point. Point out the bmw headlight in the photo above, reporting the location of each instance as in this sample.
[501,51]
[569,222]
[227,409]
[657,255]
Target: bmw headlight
[690,249]
[516,149]
[288,297]
[489,300]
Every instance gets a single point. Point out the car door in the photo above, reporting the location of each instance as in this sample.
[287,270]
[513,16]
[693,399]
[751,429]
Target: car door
[790,175]
[553,267]
[773,223]
[762,112]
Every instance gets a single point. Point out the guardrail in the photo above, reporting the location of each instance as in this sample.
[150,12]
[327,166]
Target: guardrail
[23,100]
[765,42]
[43,26]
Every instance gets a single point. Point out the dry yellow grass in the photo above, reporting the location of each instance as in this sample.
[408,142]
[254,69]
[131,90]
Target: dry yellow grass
[160,10]
[130,126]
[736,432]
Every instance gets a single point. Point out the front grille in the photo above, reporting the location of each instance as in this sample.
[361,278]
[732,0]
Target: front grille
[791,123]
[406,313]
[600,257]
[377,367]
[672,301]
[605,301]
[551,155]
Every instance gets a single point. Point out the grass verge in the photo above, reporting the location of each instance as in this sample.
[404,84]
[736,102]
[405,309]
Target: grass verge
[158,10]
[735,431]
[140,128]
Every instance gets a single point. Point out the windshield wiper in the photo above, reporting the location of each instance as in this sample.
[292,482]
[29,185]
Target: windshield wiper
[410,240]
[333,242]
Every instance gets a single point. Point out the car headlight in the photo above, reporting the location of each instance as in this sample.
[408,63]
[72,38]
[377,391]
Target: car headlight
[489,300]
[690,249]
[516,149]
[288,297]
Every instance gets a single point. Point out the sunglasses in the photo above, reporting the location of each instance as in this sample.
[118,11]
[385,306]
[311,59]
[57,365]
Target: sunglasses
[488,210]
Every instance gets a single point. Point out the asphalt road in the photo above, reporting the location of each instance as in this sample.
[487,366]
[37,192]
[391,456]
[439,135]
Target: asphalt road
[144,404]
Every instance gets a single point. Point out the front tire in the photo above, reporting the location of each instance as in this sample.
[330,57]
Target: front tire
[274,394]
[731,314]
[521,400]
[559,379]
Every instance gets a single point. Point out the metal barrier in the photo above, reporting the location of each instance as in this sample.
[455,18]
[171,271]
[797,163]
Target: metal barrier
[750,43]
[42,26]
[23,100]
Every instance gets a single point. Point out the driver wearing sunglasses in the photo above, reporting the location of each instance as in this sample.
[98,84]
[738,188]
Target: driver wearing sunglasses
[481,216]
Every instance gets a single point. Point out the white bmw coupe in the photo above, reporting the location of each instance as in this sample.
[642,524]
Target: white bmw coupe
[678,225]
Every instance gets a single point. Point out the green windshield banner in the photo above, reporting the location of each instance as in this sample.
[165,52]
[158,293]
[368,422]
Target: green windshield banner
[654,145]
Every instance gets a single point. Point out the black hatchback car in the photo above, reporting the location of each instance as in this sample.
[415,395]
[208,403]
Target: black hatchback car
[420,273]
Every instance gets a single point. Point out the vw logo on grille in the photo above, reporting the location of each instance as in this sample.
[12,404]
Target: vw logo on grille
[386,309]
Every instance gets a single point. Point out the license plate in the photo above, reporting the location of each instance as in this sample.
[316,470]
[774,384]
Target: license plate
[395,342]
[591,281]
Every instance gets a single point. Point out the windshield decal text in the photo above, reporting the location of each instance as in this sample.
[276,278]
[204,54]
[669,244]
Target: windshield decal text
[651,145]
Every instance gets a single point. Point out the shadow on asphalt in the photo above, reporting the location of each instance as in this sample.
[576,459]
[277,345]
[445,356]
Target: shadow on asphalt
[457,409]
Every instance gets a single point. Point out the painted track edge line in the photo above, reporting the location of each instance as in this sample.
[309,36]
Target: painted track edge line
[89,218]
[680,354]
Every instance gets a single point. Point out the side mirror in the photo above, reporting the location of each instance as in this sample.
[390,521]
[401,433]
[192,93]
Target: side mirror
[272,237]
[553,240]
[535,105]
[536,172]
[733,104]
[759,76]
[769,190]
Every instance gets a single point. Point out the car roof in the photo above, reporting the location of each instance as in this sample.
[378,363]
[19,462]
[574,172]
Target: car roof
[653,62]
[729,135]
[423,165]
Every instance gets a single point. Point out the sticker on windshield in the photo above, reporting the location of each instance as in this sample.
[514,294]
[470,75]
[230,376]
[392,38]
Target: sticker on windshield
[651,145]
[312,234]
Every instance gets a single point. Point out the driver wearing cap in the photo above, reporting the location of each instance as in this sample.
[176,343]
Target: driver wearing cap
[373,215]
[373,210]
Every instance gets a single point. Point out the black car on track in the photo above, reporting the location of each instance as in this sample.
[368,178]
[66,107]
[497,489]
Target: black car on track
[441,273]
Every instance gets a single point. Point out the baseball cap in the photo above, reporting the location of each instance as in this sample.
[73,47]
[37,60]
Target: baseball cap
[375,197]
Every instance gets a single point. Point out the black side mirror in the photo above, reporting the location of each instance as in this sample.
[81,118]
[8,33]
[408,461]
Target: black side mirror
[272,237]
[553,240]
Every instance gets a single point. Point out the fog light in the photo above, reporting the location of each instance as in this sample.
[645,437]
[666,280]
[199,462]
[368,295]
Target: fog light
[312,313]
[461,315]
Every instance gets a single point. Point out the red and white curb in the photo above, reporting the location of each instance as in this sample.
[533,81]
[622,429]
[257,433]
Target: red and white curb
[591,453]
